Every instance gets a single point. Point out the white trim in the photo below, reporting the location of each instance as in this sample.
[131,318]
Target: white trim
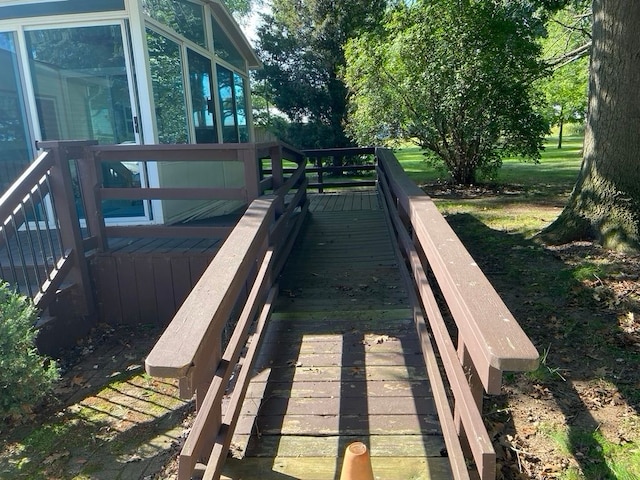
[61,20]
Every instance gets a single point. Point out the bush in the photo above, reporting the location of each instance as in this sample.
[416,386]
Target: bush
[26,377]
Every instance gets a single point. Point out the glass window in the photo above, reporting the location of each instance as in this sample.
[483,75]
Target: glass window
[184,17]
[224,47]
[241,108]
[226,91]
[15,147]
[165,63]
[203,106]
[81,84]
[37,9]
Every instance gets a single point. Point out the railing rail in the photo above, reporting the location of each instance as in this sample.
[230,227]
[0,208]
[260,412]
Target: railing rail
[40,239]
[490,341]
[337,165]
[242,277]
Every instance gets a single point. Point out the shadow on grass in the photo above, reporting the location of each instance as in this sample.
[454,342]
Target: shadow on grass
[579,337]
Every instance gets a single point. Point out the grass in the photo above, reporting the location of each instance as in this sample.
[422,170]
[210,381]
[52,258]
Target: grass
[527,196]
[606,458]
[556,167]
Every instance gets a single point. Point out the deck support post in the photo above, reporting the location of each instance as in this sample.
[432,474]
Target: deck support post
[69,224]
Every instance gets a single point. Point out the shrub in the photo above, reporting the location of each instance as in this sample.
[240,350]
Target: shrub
[26,377]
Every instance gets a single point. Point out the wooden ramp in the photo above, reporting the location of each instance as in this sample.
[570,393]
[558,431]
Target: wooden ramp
[341,360]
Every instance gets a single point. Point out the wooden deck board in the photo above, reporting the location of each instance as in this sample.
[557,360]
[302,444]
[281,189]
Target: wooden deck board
[340,361]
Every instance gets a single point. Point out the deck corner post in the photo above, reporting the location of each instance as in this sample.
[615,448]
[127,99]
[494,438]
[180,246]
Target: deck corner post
[69,223]
[91,180]
[249,157]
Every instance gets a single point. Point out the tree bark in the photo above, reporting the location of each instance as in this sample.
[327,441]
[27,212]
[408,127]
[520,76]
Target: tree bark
[605,203]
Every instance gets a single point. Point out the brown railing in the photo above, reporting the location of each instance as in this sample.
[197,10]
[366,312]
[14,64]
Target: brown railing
[254,184]
[336,167]
[489,339]
[241,278]
[40,239]
[43,245]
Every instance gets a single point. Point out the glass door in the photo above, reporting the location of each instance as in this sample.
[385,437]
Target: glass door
[82,89]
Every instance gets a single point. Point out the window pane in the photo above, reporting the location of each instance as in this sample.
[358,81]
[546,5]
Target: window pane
[80,83]
[201,99]
[241,108]
[226,90]
[224,48]
[15,147]
[184,17]
[165,62]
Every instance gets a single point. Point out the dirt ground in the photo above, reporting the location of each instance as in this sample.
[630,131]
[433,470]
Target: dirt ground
[577,416]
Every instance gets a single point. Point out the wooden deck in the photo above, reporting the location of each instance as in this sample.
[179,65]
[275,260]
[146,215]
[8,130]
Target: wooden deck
[341,361]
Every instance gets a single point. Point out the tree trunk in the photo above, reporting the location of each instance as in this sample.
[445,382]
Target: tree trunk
[605,203]
[560,129]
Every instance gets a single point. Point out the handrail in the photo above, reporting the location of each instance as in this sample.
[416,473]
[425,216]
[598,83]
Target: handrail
[191,348]
[490,341]
[40,236]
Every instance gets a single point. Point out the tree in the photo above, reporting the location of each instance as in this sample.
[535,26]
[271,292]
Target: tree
[301,45]
[605,203]
[454,77]
[566,50]
[240,8]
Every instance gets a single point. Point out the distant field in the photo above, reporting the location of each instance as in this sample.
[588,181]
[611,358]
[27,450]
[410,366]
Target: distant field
[557,166]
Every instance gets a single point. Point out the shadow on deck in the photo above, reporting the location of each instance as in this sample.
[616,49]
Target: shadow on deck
[340,361]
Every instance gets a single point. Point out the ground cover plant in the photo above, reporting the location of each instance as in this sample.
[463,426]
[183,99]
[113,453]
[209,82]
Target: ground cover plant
[577,416]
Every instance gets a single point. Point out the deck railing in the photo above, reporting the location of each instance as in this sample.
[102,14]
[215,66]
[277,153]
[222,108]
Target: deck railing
[242,278]
[447,282]
[337,162]
[44,243]
[40,239]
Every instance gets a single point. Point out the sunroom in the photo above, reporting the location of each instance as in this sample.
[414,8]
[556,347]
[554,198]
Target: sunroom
[127,72]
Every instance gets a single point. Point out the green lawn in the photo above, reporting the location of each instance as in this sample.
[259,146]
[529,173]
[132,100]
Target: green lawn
[557,166]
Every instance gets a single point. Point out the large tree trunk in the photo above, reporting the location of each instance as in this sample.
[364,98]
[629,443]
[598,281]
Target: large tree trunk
[605,203]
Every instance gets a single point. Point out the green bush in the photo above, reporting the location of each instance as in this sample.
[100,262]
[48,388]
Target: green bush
[26,377]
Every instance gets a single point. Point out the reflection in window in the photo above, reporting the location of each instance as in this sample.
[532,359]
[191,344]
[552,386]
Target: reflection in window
[80,84]
[184,17]
[165,63]
[82,92]
[241,108]
[15,151]
[226,90]
[233,106]
[203,108]
[224,48]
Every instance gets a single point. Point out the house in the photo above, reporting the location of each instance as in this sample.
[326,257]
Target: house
[127,72]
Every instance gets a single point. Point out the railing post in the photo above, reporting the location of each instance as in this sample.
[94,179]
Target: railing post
[69,224]
[90,178]
[251,172]
[275,153]
[319,165]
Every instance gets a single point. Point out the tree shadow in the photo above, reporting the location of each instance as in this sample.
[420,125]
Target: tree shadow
[585,360]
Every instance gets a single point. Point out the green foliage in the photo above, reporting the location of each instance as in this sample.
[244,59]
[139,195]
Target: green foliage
[456,80]
[566,48]
[240,8]
[301,45]
[25,376]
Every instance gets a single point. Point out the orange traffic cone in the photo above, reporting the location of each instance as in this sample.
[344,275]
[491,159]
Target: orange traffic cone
[357,464]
